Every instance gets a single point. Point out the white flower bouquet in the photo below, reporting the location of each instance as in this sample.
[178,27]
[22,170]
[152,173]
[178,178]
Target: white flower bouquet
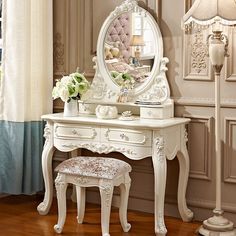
[70,87]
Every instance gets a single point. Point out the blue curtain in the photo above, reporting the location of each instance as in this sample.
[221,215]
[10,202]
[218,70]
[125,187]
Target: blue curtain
[21,145]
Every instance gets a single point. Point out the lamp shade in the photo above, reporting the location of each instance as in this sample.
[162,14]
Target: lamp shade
[207,12]
[137,40]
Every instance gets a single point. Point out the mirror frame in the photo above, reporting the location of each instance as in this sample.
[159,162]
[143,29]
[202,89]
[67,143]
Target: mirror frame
[129,6]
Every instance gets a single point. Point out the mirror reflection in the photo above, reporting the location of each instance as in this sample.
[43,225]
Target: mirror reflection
[129,49]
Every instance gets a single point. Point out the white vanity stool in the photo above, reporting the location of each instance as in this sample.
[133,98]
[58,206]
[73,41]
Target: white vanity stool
[102,172]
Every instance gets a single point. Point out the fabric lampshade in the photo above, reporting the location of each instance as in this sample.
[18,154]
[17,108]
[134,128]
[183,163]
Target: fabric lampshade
[207,12]
[137,40]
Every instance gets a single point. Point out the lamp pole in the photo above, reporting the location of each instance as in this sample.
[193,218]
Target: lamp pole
[217,225]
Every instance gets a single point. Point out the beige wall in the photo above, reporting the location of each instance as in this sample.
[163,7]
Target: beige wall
[76,27]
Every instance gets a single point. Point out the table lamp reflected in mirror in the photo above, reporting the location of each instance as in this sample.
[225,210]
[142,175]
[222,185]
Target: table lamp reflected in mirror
[137,41]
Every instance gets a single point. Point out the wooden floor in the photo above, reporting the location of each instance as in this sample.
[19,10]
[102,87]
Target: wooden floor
[19,217]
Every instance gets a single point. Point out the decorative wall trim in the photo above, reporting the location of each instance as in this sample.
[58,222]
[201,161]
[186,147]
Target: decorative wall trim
[199,52]
[203,102]
[72,35]
[193,101]
[81,38]
[202,203]
[58,54]
[86,31]
[93,197]
[206,121]
[230,72]
[196,64]
[206,204]
[66,35]
[229,125]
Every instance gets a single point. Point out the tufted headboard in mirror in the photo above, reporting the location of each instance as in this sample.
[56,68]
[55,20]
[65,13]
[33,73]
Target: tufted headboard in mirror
[120,31]
[130,34]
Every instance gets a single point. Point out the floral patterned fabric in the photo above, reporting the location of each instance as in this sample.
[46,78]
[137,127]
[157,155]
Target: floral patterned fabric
[98,167]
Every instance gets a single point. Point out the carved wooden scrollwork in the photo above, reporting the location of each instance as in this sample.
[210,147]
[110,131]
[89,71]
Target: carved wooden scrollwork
[107,188]
[58,53]
[160,149]
[102,148]
[199,52]
[47,133]
[161,224]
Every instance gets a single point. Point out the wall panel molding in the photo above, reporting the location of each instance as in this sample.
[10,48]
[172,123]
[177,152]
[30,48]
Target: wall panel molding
[72,35]
[196,64]
[201,165]
[230,70]
[59,37]
[229,152]
[203,102]
[58,54]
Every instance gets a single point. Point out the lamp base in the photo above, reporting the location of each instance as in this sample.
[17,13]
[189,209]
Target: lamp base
[217,226]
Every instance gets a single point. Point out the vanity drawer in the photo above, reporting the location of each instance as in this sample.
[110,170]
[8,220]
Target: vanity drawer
[81,132]
[127,136]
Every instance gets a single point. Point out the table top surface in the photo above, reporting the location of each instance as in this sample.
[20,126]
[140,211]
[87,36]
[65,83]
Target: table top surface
[136,122]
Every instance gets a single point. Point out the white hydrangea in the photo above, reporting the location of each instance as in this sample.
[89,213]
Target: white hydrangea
[71,86]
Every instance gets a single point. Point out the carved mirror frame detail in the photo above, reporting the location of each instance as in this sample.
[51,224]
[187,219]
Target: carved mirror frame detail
[103,88]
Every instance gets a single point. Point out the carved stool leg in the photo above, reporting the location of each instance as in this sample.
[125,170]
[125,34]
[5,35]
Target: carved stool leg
[61,187]
[80,193]
[74,153]
[106,192]
[124,196]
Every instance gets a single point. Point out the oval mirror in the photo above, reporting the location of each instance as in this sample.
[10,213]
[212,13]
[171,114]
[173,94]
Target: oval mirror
[129,47]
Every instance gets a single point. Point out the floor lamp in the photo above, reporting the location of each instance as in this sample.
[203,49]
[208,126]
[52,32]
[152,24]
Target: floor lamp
[215,13]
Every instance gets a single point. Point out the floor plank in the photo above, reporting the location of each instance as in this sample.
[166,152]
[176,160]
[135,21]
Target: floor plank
[19,217]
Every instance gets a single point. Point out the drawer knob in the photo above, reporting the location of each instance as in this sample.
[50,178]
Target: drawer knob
[123,136]
[74,132]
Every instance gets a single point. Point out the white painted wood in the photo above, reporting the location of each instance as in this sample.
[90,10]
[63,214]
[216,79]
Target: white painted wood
[106,187]
[167,139]
[192,98]
[183,158]
[47,154]
[162,112]
[80,193]
[124,196]
[74,153]
[106,192]
[61,186]
[127,136]
[156,88]
[159,164]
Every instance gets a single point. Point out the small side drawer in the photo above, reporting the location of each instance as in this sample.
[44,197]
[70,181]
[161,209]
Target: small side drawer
[81,132]
[127,136]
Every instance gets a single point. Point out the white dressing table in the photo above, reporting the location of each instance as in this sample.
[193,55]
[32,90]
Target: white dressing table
[155,133]
[160,139]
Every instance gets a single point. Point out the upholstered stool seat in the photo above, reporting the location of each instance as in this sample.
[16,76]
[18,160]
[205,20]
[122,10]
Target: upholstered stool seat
[102,172]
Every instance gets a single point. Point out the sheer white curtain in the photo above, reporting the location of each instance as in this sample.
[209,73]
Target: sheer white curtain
[25,92]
